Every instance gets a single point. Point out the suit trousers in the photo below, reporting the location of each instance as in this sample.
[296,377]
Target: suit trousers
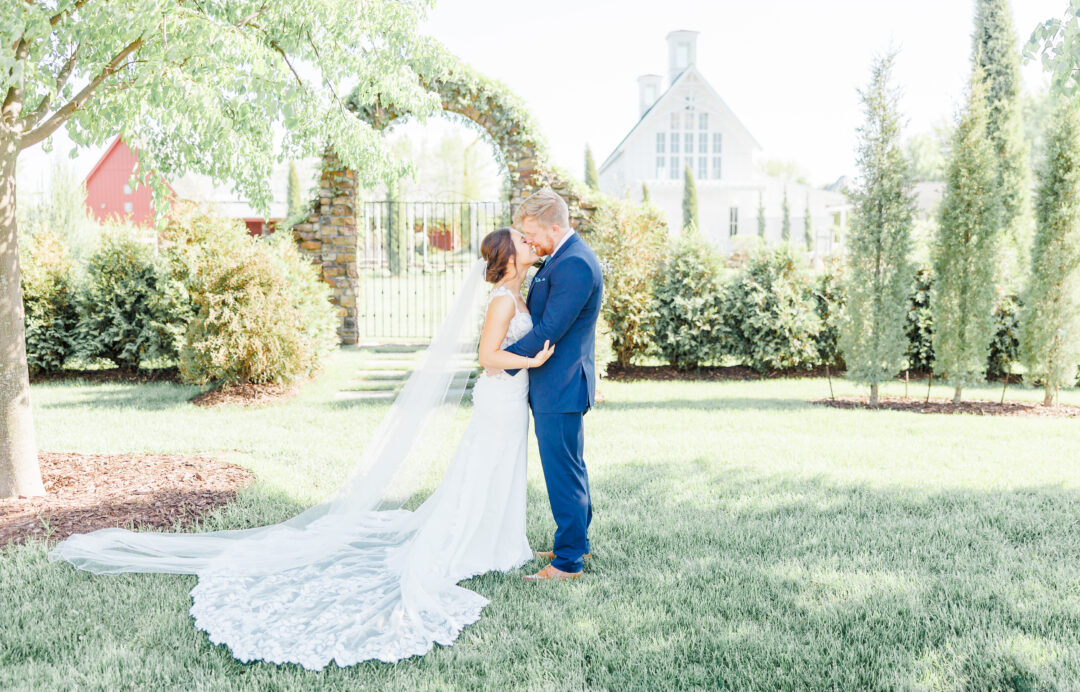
[561,437]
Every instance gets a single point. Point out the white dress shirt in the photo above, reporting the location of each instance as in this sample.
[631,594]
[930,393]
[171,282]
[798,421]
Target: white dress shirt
[569,232]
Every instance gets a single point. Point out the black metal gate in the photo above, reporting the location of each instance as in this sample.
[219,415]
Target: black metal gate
[411,257]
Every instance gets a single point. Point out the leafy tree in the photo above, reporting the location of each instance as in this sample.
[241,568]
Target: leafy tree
[785,219]
[1057,43]
[927,152]
[191,87]
[996,52]
[760,216]
[1050,320]
[878,273]
[808,231]
[965,249]
[592,178]
[689,200]
[788,170]
[644,193]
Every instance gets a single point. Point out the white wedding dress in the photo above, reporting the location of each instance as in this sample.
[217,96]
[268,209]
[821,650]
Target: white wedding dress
[386,588]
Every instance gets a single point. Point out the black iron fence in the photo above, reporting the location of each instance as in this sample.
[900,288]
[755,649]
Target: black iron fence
[411,257]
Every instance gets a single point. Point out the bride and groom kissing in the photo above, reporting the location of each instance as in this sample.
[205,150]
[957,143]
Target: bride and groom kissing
[349,580]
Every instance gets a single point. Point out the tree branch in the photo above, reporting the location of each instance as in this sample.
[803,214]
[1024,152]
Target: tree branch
[63,113]
[59,17]
[61,79]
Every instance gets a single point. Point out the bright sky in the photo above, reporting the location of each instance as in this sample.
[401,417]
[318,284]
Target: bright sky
[788,68]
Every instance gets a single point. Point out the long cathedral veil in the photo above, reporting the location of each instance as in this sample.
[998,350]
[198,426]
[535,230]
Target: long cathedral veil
[393,464]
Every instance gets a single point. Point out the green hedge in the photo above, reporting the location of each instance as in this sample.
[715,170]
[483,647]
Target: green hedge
[130,309]
[49,301]
[630,240]
[261,312]
[688,330]
[771,314]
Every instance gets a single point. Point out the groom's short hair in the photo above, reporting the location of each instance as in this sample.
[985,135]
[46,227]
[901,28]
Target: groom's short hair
[546,206]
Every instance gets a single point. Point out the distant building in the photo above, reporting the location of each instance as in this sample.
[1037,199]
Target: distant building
[688,122]
[108,194]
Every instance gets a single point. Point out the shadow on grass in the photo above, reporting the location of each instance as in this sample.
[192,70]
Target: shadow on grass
[714,404]
[145,397]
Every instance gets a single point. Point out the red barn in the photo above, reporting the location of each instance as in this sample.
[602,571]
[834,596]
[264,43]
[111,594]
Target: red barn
[109,195]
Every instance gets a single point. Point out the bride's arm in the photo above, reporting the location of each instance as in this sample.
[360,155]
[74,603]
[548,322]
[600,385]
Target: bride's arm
[496,322]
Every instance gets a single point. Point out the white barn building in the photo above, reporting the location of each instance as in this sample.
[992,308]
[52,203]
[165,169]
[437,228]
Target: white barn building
[688,122]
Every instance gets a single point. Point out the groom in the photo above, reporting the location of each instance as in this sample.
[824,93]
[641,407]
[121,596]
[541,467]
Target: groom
[564,299]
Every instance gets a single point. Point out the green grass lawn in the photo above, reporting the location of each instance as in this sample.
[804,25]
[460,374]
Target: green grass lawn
[744,538]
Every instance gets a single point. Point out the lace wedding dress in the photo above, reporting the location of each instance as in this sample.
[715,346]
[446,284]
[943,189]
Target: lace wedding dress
[377,584]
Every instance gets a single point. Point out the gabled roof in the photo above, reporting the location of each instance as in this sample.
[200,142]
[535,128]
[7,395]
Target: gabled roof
[105,156]
[685,74]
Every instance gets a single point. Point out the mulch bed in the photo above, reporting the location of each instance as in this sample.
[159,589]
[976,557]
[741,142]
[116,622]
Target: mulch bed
[978,408]
[732,372]
[85,492]
[245,395]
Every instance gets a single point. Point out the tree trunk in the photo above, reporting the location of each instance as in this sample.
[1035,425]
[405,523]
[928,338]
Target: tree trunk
[873,394]
[19,472]
[1048,399]
[956,396]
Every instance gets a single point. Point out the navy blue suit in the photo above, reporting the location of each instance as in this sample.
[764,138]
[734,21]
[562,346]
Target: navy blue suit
[564,299]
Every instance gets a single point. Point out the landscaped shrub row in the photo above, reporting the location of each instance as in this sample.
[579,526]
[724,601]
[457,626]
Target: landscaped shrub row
[773,314]
[221,305]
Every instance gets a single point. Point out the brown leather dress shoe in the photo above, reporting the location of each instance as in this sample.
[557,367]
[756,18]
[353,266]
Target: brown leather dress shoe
[551,572]
[550,554]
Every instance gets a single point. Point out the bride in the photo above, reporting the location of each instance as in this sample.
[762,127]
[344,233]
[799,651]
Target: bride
[356,577]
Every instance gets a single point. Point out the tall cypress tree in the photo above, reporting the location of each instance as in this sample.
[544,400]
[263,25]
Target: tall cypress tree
[689,200]
[644,193]
[808,232]
[785,219]
[1050,320]
[592,178]
[879,271]
[994,48]
[760,216]
[296,195]
[965,249]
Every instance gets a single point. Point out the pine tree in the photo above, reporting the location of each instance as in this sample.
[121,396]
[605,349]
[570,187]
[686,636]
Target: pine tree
[965,249]
[808,232]
[879,271]
[994,48]
[644,193]
[761,216]
[1050,320]
[689,200]
[592,178]
[296,195]
[785,219]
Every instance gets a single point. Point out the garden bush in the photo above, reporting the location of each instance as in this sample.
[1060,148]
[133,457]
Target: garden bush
[920,323]
[130,307]
[630,240]
[770,313]
[48,288]
[687,328]
[261,312]
[829,305]
[1005,348]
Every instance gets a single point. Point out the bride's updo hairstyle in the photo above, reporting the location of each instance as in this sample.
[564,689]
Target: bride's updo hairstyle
[499,250]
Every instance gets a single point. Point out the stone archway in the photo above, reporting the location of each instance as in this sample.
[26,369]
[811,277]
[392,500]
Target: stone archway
[329,236]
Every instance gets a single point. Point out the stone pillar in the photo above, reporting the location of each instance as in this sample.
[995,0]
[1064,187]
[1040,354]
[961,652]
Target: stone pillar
[329,239]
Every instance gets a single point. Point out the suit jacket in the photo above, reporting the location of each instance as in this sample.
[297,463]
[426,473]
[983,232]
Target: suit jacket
[564,299]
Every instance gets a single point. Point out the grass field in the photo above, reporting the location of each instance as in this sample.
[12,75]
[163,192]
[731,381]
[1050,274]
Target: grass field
[744,539]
